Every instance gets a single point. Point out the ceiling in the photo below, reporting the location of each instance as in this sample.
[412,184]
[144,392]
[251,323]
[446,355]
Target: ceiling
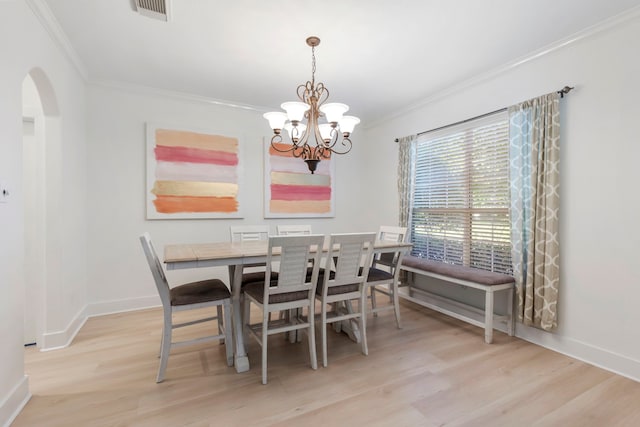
[378,56]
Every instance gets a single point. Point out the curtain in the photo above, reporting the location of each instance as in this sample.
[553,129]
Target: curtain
[406,148]
[534,138]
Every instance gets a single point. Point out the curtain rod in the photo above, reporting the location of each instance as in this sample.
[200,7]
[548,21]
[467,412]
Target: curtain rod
[561,92]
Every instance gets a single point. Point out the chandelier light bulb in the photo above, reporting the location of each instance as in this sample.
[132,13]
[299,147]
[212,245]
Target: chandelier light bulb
[334,111]
[295,110]
[348,123]
[276,119]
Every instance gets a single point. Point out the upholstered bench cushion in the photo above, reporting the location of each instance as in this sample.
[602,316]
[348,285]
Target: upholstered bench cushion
[470,274]
[196,292]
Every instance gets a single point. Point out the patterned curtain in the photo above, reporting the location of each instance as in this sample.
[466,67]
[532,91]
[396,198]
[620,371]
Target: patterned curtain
[534,137]
[406,147]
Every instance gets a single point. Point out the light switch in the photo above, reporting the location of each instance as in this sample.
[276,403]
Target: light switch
[4,192]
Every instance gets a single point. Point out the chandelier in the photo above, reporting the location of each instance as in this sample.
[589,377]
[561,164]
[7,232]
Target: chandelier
[307,137]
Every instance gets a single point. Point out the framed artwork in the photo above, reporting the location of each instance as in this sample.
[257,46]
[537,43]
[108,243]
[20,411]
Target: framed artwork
[192,173]
[291,191]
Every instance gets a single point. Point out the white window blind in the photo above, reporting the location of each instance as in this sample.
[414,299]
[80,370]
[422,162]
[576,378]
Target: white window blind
[460,212]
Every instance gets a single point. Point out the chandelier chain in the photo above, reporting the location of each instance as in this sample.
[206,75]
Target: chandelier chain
[313,64]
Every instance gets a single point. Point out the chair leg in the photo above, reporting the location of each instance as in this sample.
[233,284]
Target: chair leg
[166,345]
[373,300]
[246,319]
[363,323]
[393,287]
[312,338]
[221,322]
[161,343]
[265,337]
[323,318]
[228,333]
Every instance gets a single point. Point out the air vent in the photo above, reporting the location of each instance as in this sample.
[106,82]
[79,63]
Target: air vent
[156,9]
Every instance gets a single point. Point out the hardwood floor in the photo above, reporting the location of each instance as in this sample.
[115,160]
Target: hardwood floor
[436,371]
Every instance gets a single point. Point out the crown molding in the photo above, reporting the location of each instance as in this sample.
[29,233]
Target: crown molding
[181,96]
[42,11]
[586,33]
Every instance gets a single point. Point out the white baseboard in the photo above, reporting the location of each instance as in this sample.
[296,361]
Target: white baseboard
[122,305]
[600,357]
[63,338]
[588,353]
[14,402]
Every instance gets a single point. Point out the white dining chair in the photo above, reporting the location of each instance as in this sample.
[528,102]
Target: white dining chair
[247,233]
[293,230]
[189,296]
[293,290]
[251,233]
[337,289]
[384,273]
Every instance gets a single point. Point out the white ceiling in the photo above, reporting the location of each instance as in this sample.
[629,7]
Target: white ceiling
[378,56]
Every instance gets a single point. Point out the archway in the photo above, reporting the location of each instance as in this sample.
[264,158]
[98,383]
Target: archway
[40,108]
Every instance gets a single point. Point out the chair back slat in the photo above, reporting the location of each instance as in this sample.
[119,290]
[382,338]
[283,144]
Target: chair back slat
[247,233]
[350,250]
[293,230]
[293,253]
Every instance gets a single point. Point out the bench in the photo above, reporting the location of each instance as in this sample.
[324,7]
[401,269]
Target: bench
[486,281]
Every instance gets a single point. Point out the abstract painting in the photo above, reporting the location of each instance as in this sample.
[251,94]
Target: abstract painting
[291,191]
[192,174]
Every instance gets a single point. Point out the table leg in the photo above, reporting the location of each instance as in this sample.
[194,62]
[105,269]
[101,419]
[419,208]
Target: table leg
[349,326]
[241,359]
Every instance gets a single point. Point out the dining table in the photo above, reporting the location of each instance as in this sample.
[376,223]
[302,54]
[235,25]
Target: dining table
[235,255]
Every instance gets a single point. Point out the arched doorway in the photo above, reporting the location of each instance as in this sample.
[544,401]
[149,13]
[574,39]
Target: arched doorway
[39,109]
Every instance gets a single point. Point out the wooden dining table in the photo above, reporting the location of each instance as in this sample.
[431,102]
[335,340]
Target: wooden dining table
[235,255]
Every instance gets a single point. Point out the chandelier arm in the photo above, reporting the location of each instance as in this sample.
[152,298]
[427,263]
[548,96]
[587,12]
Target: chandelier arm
[323,153]
[322,94]
[343,148]
[304,92]
[295,149]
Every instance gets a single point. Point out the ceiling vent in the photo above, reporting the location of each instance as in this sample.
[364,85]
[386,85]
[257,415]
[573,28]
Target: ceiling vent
[156,9]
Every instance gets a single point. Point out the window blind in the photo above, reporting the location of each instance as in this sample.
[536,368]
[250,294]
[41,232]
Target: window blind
[460,211]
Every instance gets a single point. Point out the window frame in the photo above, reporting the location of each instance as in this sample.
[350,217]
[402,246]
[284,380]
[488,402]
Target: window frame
[494,253]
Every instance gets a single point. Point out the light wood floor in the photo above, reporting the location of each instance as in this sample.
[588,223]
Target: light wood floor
[436,371]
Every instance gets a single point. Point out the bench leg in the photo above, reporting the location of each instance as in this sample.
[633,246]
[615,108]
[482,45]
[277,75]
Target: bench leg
[511,325]
[488,317]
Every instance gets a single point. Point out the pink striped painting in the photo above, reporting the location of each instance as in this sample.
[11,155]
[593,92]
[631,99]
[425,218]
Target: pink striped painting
[191,174]
[292,191]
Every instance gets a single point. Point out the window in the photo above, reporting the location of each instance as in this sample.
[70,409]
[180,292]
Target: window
[460,208]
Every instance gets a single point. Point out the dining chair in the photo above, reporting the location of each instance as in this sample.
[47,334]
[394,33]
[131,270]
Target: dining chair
[189,296]
[338,288]
[292,291]
[293,230]
[384,273]
[250,233]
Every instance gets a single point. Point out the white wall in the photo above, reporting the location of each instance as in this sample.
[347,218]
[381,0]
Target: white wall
[119,278]
[600,240]
[25,45]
